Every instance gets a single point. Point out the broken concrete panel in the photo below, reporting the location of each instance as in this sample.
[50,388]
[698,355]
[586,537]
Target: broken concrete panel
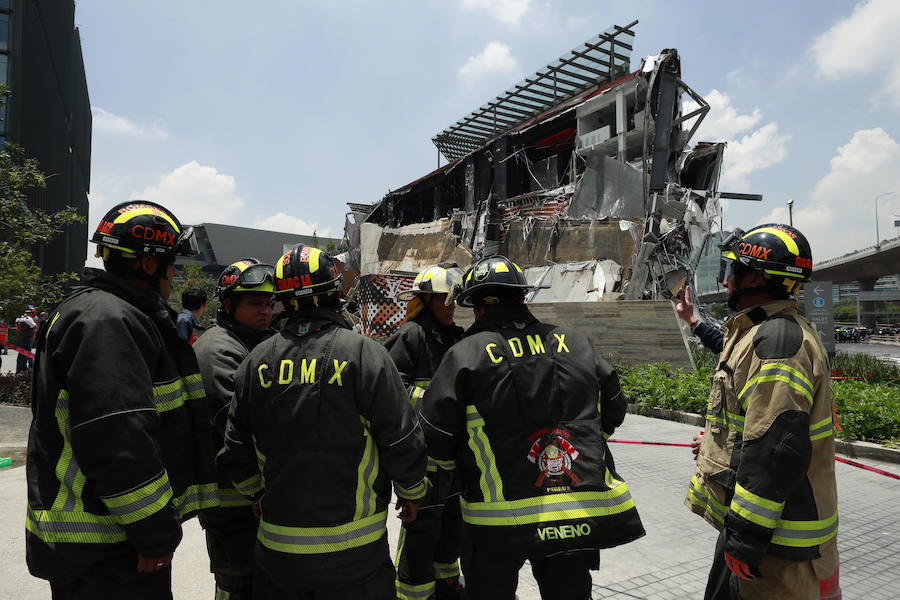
[410,248]
[567,241]
[609,188]
[629,331]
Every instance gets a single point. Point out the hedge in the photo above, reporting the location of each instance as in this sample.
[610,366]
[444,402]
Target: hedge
[867,411]
[15,388]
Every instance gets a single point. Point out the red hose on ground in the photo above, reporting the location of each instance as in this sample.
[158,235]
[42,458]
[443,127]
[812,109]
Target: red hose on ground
[846,461]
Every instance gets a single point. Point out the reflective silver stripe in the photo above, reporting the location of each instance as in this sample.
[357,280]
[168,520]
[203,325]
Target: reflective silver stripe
[803,534]
[766,514]
[822,429]
[547,506]
[316,540]
[321,540]
[485,460]
[131,507]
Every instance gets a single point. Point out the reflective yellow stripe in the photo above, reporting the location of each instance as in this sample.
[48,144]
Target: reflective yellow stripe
[552,507]
[73,527]
[250,486]
[731,420]
[755,508]
[147,210]
[822,429]
[805,534]
[71,479]
[700,498]
[322,540]
[447,465]
[222,594]
[777,372]
[489,478]
[413,493]
[230,497]
[314,254]
[366,473]
[446,570]
[408,591]
[196,497]
[142,502]
[171,395]
[415,397]
[788,241]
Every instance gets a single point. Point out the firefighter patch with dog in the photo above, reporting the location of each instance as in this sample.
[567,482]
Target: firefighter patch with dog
[553,454]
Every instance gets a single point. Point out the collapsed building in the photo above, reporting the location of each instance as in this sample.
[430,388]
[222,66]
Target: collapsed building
[581,173]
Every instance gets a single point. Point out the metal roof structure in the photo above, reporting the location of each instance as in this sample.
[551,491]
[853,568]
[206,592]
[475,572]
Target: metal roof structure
[599,60]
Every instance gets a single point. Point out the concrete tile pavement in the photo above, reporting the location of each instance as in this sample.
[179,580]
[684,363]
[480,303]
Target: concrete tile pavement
[671,562]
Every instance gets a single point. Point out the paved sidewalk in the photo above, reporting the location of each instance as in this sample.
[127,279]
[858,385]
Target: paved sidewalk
[671,562]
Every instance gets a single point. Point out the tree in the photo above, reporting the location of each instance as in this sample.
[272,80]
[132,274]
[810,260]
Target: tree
[21,229]
[195,276]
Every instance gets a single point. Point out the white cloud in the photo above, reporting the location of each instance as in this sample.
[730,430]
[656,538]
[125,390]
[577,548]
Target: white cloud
[113,124]
[749,150]
[196,194]
[508,12]
[495,59]
[289,224]
[839,215]
[862,43]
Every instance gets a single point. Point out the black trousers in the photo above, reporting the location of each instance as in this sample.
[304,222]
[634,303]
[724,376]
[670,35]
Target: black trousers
[230,541]
[493,574]
[116,578]
[430,546]
[378,587]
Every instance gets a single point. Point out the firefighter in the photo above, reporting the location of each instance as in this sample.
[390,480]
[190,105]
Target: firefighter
[318,429]
[524,408]
[120,448]
[244,290]
[765,468]
[428,552]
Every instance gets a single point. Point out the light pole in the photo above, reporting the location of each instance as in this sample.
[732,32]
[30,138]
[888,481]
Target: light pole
[897,224]
[878,235]
[791,211]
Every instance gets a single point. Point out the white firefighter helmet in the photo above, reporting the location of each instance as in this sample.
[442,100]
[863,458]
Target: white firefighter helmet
[443,278]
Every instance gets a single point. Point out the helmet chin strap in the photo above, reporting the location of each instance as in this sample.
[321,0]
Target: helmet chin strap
[773,289]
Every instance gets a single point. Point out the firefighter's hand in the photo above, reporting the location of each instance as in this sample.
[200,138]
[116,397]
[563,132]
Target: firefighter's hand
[684,306]
[695,444]
[738,567]
[149,565]
[257,511]
[408,510]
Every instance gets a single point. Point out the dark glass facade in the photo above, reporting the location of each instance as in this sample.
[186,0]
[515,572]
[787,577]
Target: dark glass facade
[49,114]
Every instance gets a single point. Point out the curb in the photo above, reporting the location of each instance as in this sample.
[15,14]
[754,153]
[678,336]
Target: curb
[849,449]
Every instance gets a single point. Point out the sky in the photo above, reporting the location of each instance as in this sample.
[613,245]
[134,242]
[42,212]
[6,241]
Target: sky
[276,113]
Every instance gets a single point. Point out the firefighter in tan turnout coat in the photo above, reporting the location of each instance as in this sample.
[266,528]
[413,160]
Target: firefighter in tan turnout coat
[765,467]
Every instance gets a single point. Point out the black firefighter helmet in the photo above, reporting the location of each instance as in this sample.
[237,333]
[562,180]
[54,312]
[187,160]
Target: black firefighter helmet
[492,273]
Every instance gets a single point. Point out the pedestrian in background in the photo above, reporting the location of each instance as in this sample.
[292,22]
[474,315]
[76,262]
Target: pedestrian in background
[26,328]
[193,305]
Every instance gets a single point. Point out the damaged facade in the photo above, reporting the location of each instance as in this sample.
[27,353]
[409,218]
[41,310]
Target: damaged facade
[581,174]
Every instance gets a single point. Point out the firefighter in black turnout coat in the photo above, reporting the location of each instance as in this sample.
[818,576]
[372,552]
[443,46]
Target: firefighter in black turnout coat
[318,429]
[245,290]
[428,551]
[120,449]
[524,409]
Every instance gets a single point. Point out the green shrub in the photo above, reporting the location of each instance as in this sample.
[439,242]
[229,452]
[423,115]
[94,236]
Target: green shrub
[863,366]
[868,412]
[659,385]
[15,388]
